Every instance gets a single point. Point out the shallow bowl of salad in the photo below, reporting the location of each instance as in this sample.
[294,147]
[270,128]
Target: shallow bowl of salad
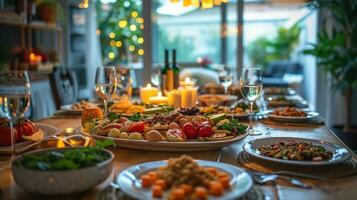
[62,171]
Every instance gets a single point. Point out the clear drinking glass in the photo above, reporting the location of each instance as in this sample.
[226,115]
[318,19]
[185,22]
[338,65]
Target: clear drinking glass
[105,84]
[156,75]
[14,100]
[124,82]
[225,78]
[251,86]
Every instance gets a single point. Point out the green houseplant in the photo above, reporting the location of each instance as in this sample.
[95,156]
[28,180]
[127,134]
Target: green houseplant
[264,50]
[336,49]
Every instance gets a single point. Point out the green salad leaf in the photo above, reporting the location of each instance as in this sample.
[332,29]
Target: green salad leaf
[232,125]
[68,159]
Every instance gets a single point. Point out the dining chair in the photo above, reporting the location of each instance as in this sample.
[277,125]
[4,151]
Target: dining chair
[64,86]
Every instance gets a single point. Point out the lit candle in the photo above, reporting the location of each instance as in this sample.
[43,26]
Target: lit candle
[175,98]
[159,99]
[147,92]
[187,82]
[188,97]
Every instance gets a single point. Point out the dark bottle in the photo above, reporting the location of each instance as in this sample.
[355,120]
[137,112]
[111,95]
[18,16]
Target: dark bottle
[175,70]
[166,75]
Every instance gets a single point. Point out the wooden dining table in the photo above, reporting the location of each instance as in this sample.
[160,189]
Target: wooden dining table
[340,188]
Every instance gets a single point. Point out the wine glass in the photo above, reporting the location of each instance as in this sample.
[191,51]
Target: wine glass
[251,85]
[105,84]
[14,100]
[225,78]
[124,82]
[156,75]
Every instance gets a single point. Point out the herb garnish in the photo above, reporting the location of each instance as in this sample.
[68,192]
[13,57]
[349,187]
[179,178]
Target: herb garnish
[135,117]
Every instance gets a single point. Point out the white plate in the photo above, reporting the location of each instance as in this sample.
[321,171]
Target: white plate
[340,154]
[310,116]
[20,147]
[282,103]
[68,108]
[216,99]
[170,146]
[129,180]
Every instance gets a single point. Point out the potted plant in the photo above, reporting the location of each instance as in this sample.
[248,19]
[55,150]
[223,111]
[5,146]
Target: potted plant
[265,50]
[336,49]
[49,11]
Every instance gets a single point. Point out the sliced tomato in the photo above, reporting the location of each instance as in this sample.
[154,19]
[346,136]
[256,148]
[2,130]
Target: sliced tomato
[35,128]
[5,135]
[137,127]
[27,129]
[19,133]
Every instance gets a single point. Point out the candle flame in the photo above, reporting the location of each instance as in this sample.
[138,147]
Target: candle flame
[69,130]
[187,80]
[148,85]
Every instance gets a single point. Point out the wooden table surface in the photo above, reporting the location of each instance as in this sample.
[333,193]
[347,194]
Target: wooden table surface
[342,188]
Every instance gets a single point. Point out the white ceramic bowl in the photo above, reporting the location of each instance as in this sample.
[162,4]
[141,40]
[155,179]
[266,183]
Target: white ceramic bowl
[61,182]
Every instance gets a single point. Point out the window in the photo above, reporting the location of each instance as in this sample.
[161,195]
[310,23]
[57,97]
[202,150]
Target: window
[120,26]
[194,32]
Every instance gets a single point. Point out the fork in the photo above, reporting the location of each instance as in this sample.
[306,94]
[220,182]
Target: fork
[114,184]
[262,178]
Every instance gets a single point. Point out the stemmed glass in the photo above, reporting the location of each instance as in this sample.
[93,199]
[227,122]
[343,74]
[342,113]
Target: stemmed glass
[124,82]
[14,100]
[105,84]
[251,86]
[155,75]
[225,78]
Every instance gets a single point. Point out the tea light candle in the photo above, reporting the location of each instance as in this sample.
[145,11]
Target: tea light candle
[188,97]
[175,98]
[159,99]
[147,92]
[187,82]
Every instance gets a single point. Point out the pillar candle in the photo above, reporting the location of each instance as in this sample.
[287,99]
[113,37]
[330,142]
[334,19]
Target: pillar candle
[147,92]
[159,99]
[188,97]
[175,98]
[187,83]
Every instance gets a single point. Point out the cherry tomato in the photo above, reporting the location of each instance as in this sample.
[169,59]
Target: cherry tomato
[189,130]
[205,131]
[137,127]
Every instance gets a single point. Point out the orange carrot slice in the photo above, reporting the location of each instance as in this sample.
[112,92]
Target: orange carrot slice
[161,183]
[157,191]
[201,193]
[216,188]
[146,180]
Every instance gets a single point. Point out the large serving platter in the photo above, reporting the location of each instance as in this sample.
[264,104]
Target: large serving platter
[189,145]
[129,180]
[20,147]
[340,153]
[310,116]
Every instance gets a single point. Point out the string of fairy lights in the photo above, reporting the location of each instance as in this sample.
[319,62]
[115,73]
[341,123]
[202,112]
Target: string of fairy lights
[204,4]
[134,23]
